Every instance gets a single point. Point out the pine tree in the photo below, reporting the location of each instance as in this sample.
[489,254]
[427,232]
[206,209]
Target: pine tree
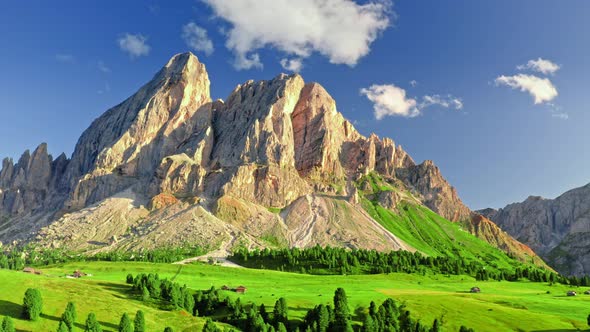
[210,326]
[7,325]
[281,327]
[71,307]
[168,329]
[92,324]
[341,312]
[125,325]
[280,312]
[588,320]
[323,318]
[145,294]
[129,279]
[368,324]
[139,321]
[263,313]
[69,316]
[63,327]
[435,326]
[32,304]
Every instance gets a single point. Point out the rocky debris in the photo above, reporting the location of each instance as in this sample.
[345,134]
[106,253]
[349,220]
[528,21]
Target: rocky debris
[556,229]
[161,201]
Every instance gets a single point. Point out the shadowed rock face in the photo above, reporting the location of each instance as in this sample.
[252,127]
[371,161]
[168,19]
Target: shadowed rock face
[557,229]
[278,144]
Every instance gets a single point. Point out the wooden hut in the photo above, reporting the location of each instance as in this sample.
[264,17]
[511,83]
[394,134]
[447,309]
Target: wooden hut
[475,290]
[241,289]
[571,293]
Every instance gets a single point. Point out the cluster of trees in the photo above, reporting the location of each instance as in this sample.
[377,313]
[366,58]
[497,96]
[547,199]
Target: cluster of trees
[328,260]
[18,258]
[150,286]
[252,318]
[33,307]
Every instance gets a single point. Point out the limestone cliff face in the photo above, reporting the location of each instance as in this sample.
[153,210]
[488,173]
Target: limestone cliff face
[169,151]
[26,185]
[557,229]
[128,142]
[427,180]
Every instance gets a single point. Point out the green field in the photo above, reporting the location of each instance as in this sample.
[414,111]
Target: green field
[501,306]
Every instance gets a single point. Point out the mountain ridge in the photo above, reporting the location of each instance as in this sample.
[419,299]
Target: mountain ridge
[219,168]
[555,228]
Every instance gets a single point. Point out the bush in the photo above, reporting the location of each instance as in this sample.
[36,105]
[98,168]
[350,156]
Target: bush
[32,304]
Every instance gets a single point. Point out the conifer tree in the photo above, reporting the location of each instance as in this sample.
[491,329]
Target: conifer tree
[92,324]
[32,304]
[125,324]
[341,312]
[139,321]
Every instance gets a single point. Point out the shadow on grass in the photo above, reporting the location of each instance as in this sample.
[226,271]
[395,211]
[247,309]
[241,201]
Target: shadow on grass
[122,291]
[10,309]
[109,325]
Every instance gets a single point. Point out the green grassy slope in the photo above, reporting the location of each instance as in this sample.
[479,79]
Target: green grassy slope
[502,306]
[425,230]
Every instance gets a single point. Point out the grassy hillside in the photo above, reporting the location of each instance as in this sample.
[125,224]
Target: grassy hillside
[501,306]
[425,230]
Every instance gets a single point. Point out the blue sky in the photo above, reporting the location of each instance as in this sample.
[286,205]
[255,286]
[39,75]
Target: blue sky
[63,64]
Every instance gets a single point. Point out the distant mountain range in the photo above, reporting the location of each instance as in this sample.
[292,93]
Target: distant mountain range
[557,229]
[273,165]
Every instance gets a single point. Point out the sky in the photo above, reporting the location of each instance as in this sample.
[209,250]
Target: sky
[495,92]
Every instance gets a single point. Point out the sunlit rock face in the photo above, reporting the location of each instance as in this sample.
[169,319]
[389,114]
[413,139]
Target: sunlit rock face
[170,159]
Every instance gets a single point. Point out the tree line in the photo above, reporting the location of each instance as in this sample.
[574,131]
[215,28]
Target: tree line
[330,260]
[19,258]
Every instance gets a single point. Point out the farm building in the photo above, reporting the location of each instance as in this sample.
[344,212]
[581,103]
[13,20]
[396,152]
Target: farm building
[475,290]
[571,293]
[241,289]
[31,270]
[587,292]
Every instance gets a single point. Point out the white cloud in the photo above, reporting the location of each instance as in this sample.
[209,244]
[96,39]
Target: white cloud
[540,65]
[103,67]
[414,83]
[541,89]
[389,99]
[134,45]
[294,65]
[560,115]
[340,30]
[107,88]
[447,101]
[244,61]
[196,38]
[65,58]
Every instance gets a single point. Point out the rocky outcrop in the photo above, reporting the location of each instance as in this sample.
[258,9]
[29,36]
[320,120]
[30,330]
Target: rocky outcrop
[557,229]
[427,181]
[26,186]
